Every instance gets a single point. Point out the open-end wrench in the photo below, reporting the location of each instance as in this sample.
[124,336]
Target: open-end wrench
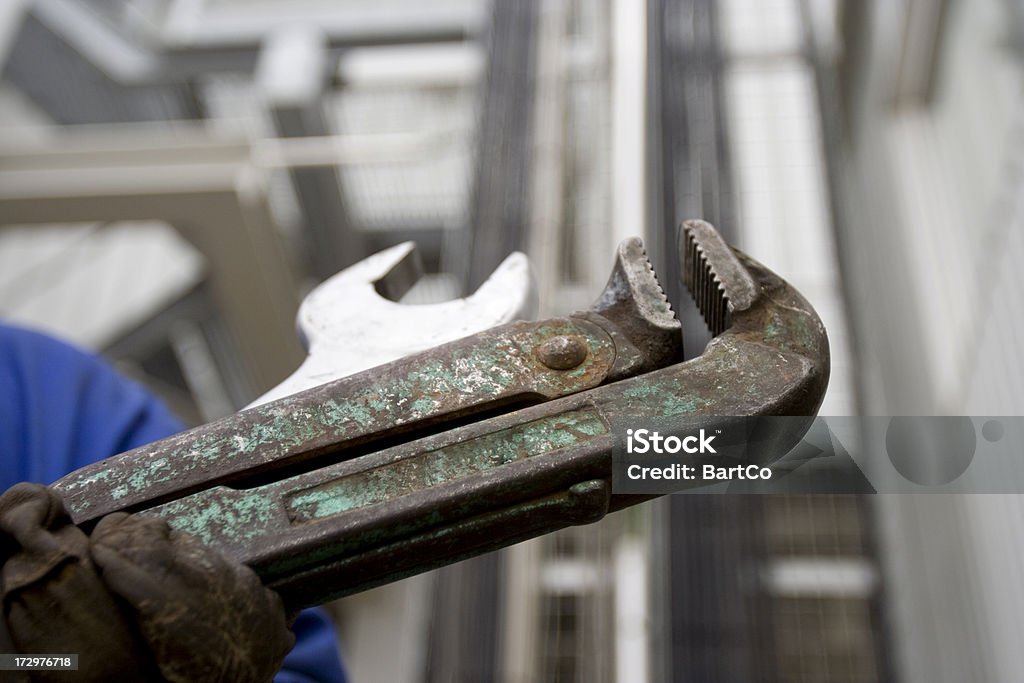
[479,443]
[353,321]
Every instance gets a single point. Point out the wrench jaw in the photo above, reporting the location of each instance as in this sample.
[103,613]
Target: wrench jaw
[635,305]
[746,304]
[770,353]
[511,289]
[788,323]
[403,273]
[713,273]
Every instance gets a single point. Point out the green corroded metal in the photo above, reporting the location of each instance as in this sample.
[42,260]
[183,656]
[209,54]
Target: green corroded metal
[580,503]
[211,517]
[229,518]
[490,369]
[442,465]
[474,445]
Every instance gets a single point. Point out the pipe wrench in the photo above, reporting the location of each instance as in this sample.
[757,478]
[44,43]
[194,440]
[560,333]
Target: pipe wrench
[475,444]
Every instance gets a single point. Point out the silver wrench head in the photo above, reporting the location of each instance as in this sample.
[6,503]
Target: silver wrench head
[353,321]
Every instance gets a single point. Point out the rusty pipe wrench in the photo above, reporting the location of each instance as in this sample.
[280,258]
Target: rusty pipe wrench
[476,444]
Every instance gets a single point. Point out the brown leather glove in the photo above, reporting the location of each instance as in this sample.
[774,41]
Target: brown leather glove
[135,600]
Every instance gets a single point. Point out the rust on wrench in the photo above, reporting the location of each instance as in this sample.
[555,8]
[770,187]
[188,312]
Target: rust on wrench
[374,497]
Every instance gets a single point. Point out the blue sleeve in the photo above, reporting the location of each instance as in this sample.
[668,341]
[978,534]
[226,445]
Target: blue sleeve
[61,409]
[315,654]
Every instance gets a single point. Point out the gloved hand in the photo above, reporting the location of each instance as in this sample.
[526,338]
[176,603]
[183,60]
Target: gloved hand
[135,600]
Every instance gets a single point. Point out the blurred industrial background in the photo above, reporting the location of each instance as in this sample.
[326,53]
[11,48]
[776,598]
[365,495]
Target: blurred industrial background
[175,174]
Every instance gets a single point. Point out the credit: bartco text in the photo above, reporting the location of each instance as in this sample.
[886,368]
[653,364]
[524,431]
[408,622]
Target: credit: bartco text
[691,472]
[645,441]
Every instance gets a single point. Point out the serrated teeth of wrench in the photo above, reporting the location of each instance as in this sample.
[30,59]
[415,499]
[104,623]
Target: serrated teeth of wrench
[717,280]
[635,302]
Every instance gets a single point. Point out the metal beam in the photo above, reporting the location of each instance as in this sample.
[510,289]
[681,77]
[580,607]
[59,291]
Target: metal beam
[202,29]
[499,214]
[81,69]
[204,188]
[64,63]
[292,77]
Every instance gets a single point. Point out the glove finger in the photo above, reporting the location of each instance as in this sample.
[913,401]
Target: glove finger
[205,616]
[136,558]
[52,597]
[28,513]
[145,561]
[38,536]
[44,499]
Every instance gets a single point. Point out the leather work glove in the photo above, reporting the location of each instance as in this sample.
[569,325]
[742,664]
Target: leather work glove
[135,600]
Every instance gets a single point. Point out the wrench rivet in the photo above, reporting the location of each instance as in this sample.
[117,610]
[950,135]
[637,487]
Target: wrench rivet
[562,352]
